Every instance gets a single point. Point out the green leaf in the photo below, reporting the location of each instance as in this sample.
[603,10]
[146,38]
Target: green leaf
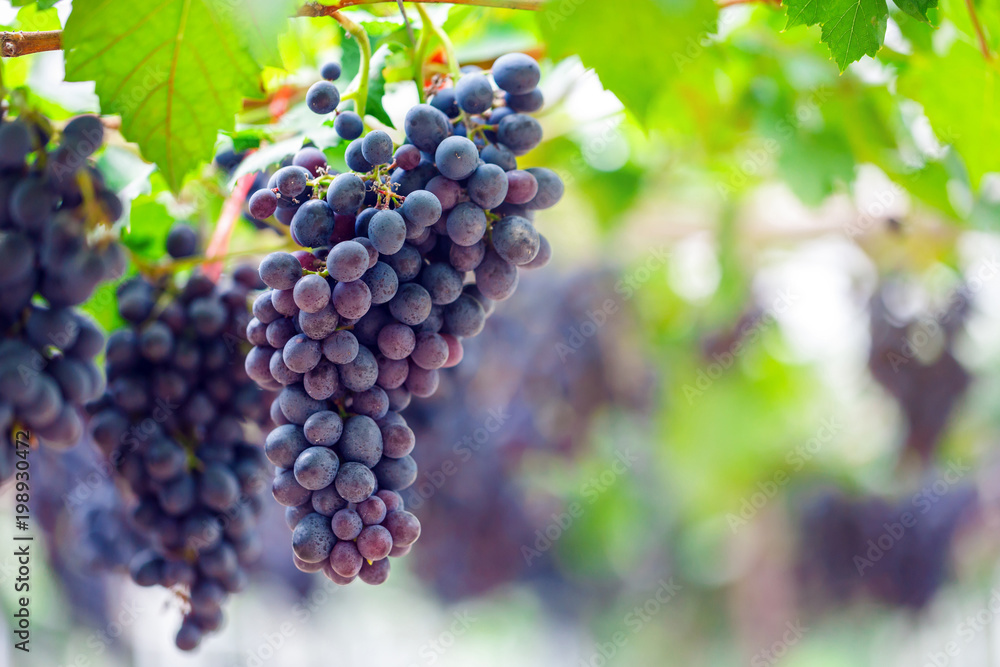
[814,164]
[636,47]
[970,121]
[149,224]
[802,12]
[854,28]
[176,71]
[916,8]
[36,17]
[376,86]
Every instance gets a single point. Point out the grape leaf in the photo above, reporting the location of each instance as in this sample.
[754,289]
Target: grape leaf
[970,123]
[916,8]
[636,48]
[854,28]
[175,70]
[802,12]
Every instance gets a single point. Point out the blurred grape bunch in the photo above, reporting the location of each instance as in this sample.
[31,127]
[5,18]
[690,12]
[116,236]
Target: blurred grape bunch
[913,359]
[476,511]
[896,553]
[87,528]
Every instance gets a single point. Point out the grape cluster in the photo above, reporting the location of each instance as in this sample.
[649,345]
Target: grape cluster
[54,250]
[410,250]
[896,553]
[170,422]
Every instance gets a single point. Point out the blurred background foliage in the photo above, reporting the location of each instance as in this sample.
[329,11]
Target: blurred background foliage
[769,331]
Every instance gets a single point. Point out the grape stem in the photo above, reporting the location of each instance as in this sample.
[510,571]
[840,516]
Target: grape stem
[360,92]
[316,9]
[14,44]
[219,243]
[980,36]
[449,48]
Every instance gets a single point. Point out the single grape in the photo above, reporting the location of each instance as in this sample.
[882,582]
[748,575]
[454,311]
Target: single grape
[474,93]
[322,97]
[330,71]
[312,224]
[407,157]
[488,186]
[182,241]
[515,240]
[466,224]
[519,133]
[529,102]
[346,194]
[348,125]
[426,127]
[516,73]
[456,158]
[263,204]
[377,147]
[387,232]
[422,208]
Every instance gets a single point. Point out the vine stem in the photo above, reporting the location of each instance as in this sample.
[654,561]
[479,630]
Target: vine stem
[219,244]
[980,36]
[14,44]
[419,59]
[449,48]
[316,9]
[358,33]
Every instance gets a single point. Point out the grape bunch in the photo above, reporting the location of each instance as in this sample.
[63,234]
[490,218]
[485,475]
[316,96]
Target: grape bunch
[55,249]
[405,256]
[896,553]
[171,423]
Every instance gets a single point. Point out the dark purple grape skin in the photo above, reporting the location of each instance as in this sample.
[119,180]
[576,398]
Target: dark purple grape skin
[280,270]
[382,282]
[407,157]
[426,127]
[550,188]
[312,539]
[515,240]
[347,524]
[312,159]
[355,482]
[330,71]
[411,305]
[377,147]
[322,98]
[316,468]
[348,125]
[347,261]
[474,93]
[516,73]
[340,347]
[466,224]
[387,232]
[323,428]
[456,158]
[346,194]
